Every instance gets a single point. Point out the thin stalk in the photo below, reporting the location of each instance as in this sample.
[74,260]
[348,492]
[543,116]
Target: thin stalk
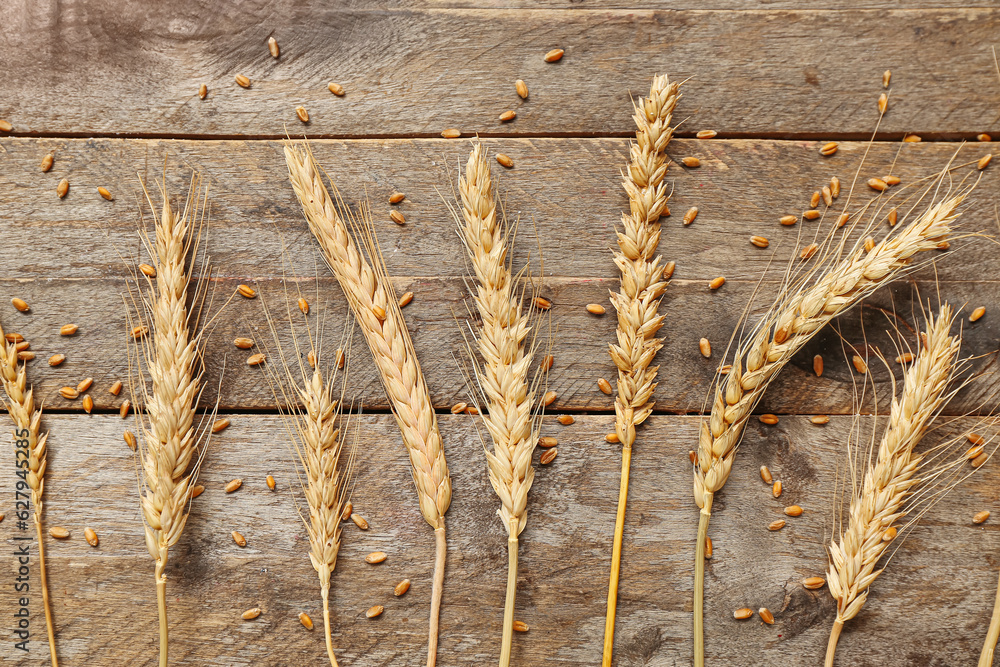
[161,604]
[326,625]
[699,583]
[49,627]
[986,658]
[831,646]
[508,607]
[440,554]
[616,558]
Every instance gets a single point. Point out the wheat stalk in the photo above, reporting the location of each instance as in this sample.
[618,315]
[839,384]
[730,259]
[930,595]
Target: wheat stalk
[374,306]
[502,376]
[30,455]
[791,322]
[887,492]
[637,302]
[170,440]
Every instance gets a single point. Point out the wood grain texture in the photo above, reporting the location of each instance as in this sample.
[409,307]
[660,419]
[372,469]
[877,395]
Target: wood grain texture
[81,68]
[65,257]
[941,580]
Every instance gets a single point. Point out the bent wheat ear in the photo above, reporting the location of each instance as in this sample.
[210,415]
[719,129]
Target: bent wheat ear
[502,374]
[30,454]
[171,445]
[892,480]
[791,322]
[638,299]
[376,309]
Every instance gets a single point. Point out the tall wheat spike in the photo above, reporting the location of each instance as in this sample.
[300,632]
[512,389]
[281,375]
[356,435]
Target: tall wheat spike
[374,305]
[796,316]
[502,375]
[638,300]
[172,444]
[29,445]
[890,481]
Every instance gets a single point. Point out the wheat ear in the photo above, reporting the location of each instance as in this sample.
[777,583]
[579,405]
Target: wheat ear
[890,480]
[374,305]
[791,322]
[170,440]
[502,376]
[637,302]
[29,444]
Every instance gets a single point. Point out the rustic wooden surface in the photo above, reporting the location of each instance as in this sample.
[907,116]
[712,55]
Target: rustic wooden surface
[111,89]
[941,580]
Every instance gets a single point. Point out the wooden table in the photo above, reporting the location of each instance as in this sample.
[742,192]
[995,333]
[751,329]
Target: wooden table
[111,89]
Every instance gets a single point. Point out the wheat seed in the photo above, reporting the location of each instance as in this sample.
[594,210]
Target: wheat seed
[766,615]
[974,452]
[243,343]
[549,398]
[565,420]
[306,622]
[977,314]
[912,138]
[828,148]
[980,460]
[980,517]
[359,521]
[459,407]
[69,393]
[375,611]
[47,162]
[84,385]
[813,583]
[272,46]
[247,291]
[705,348]
[303,306]
[105,193]
[716,283]
[233,485]
[547,362]
[612,438]
[776,488]
[595,309]
[808,251]
[25,356]
[405,299]
[256,359]
[604,386]
[20,304]
[522,89]
[811,214]
[520,626]
[890,534]
[5,126]
[983,162]
[691,214]
[139,331]
[768,419]
[548,456]
[148,270]
[239,539]
[983,137]
[883,103]
[220,425]
[554,55]
[834,187]
[759,241]
[814,199]
[691,162]
[877,184]
[891,180]
[886,76]
[401,588]
[820,419]
[859,364]
[58,532]
[56,359]
[348,511]
[793,510]
[743,614]
[202,91]
[91,537]
[508,116]
[547,441]
[303,115]
[668,270]
[62,188]
[130,440]
[397,217]
[243,81]
[765,474]
[893,216]
[706,134]
[88,404]
[708,547]
[269,480]
[451,133]
[251,614]
[375,557]
[336,89]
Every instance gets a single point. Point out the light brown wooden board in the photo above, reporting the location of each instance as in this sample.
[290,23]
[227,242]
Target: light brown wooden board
[115,68]
[942,580]
[65,258]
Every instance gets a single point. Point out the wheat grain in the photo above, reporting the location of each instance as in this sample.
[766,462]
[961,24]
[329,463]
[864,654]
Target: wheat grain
[638,299]
[369,293]
[501,369]
[891,479]
[795,317]
[30,454]
[170,443]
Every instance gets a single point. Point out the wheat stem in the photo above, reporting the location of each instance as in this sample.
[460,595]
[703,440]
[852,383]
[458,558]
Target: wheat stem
[616,558]
[31,456]
[508,607]
[638,299]
[796,316]
[831,645]
[699,584]
[161,607]
[325,590]
[986,657]
[374,305]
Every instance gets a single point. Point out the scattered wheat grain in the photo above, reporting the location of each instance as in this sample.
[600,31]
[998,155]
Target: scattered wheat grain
[820,419]
[859,364]
[759,241]
[983,137]
[202,91]
[130,440]
[306,622]
[359,521]
[375,611]
[375,557]
[243,81]
[980,517]
[243,343]
[336,89]
[717,283]
[397,217]
[604,386]
[58,532]
[705,348]
[256,359]
[765,474]
[62,188]
[776,488]
[808,251]
[251,614]
[692,162]
[554,55]
[766,615]
[829,148]
[813,583]
[233,485]
[84,384]
[451,133]
[814,199]
[522,89]
[302,113]
[88,404]
[706,134]
[401,588]
[776,525]
[239,539]
[977,314]
[272,46]
[768,419]
[69,393]
[565,420]
[983,161]
[743,614]
[691,214]
[548,456]
[595,309]
[811,214]
[883,103]
[47,162]
[508,116]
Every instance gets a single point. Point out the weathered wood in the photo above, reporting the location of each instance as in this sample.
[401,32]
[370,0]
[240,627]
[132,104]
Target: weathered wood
[64,256]
[119,68]
[941,580]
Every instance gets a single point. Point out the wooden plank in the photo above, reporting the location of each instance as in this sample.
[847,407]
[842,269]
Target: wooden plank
[939,586]
[117,68]
[64,258]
